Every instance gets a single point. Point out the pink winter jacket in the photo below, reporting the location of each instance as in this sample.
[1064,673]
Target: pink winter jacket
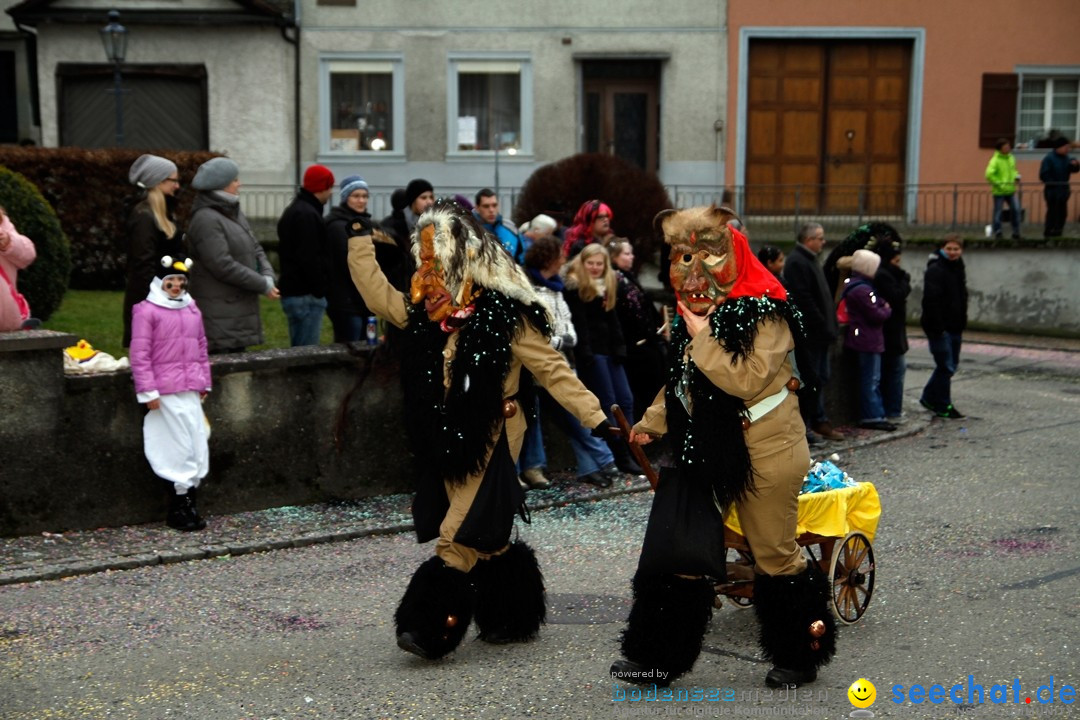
[18,255]
[168,350]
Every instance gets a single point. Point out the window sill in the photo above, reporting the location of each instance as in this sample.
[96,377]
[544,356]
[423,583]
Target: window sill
[368,158]
[487,156]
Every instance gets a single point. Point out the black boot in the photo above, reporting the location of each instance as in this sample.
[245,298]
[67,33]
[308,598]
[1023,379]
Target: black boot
[510,605]
[798,632]
[662,639]
[435,610]
[183,515]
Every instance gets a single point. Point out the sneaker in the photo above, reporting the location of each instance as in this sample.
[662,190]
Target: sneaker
[895,419]
[534,478]
[598,479]
[928,405]
[877,425]
[951,412]
[812,438]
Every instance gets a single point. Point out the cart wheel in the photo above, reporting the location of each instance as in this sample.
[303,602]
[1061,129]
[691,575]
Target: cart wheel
[851,574]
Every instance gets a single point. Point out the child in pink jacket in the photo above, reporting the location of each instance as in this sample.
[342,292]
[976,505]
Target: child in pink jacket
[16,253]
[171,369]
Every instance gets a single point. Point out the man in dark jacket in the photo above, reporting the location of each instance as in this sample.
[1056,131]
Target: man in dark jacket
[944,318]
[893,285]
[1054,172]
[805,282]
[302,250]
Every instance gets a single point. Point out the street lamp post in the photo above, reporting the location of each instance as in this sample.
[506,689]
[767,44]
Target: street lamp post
[114,38]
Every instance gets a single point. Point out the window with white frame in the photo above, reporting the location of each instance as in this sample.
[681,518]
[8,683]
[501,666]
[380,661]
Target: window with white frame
[1048,104]
[363,105]
[490,104]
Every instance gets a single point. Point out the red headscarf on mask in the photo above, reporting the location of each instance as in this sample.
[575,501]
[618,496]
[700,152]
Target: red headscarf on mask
[753,279]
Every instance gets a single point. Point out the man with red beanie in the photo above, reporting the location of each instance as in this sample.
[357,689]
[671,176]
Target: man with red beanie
[302,250]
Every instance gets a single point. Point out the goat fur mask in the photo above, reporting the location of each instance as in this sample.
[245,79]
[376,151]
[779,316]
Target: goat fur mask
[711,261]
[456,260]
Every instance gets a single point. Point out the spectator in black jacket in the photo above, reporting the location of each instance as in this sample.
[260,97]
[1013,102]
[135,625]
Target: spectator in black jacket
[944,318]
[1054,171]
[805,281]
[302,251]
[893,285]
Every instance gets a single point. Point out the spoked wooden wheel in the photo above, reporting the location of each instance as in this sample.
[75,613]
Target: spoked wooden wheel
[740,586]
[851,574]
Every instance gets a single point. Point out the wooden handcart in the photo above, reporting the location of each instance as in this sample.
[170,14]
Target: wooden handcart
[840,525]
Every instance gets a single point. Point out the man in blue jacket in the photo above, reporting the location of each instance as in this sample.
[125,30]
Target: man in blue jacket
[487,212]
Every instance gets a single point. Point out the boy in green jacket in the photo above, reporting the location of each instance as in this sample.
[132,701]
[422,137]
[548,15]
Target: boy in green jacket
[1002,176]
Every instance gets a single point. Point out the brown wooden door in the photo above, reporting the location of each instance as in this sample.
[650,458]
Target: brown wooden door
[827,126]
[622,118]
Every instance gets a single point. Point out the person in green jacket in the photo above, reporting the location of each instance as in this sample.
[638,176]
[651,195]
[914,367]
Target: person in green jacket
[1002,176]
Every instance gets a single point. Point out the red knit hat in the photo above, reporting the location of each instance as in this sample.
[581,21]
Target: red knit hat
[318,178]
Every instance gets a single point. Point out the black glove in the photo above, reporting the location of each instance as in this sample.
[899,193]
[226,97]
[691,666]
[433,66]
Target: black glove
[605,431]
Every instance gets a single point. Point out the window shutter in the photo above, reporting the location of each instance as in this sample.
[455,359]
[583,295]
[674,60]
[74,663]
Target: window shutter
[997,116]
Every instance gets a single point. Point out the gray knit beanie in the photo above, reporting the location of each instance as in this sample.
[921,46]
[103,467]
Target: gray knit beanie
[865,262]
[215,174]
[150,171]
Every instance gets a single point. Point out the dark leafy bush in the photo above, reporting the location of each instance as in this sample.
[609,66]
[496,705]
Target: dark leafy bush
[635,196]
[867,236]
[46,280]
[90,192]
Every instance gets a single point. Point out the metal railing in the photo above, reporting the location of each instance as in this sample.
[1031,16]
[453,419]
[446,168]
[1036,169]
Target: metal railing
[933,207]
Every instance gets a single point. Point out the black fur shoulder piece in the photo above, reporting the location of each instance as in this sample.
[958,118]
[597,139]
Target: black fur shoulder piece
[451,430]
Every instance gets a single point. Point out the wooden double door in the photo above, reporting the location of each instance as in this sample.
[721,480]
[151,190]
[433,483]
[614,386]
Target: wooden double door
[827,126]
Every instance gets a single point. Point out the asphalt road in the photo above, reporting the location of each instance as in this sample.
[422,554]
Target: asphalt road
[977,574]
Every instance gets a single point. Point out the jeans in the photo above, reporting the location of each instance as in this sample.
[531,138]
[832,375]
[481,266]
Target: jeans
[591,453]
[532,446]
[946,351]
[1014,209]
[1056,213]
[348,326]
[305,314]
[606,379]
[870,405]
[893,368]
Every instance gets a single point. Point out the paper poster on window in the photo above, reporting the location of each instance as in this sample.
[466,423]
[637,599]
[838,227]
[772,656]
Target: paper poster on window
[466,130]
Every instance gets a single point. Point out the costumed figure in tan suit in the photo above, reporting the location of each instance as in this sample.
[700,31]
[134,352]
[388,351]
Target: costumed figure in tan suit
[737,437]
[471,322]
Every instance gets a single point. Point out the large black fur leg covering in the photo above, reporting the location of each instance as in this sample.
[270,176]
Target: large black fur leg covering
[435,610]
[788,606]
[667,623]
[510,604]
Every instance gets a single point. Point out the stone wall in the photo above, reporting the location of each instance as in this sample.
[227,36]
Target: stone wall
[71,454]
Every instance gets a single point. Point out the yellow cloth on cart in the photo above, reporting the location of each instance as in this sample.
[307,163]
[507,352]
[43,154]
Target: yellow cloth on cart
[833,513]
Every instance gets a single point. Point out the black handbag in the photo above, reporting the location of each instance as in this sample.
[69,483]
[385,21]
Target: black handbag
[685,534]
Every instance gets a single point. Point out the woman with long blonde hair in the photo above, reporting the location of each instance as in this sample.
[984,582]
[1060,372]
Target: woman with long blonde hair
[591,288]
[152,232]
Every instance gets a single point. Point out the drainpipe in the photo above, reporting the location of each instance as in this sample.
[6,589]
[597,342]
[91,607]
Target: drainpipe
[294,40]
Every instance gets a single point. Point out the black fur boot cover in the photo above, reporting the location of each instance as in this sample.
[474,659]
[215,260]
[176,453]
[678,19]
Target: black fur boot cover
[667,623]
[436,609]
[788,606]
[510,605]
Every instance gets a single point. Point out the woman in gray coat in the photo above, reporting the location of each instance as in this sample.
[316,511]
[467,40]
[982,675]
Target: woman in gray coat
[231,270]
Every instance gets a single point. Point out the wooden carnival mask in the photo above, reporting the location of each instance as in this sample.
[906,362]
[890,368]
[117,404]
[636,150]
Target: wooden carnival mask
[703,267]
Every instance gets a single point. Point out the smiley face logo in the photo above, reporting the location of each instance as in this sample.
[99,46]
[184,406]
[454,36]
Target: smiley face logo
[862,693]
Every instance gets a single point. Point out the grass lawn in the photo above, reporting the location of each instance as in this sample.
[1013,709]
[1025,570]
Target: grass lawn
[95,315]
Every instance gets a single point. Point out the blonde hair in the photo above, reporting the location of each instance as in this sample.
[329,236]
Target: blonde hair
[156,200]
[579,276]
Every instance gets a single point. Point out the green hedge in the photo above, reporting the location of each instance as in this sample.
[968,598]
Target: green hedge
[46,280]
[90,192]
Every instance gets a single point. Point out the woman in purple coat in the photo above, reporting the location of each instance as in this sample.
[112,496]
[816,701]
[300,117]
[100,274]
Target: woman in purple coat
[867,313]
[171,369]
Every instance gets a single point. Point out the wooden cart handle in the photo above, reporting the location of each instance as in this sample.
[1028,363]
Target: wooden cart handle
[635,449]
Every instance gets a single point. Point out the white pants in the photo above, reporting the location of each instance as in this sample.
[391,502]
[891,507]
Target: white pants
[175,440]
